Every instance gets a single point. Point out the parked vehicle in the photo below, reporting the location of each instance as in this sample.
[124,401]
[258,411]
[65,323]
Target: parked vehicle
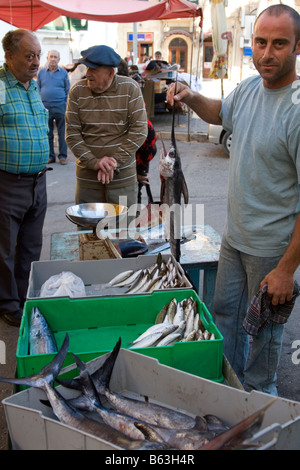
[218,135]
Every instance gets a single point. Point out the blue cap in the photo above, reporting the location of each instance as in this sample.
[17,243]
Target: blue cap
[96,56]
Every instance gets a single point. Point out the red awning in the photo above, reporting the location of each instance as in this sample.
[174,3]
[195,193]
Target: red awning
[26,14]
[33,14]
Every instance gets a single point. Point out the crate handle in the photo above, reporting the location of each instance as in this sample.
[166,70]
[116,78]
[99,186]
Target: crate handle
[207,317]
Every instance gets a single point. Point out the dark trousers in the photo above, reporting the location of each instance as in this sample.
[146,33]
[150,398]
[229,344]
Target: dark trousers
[59,119]
[23,204]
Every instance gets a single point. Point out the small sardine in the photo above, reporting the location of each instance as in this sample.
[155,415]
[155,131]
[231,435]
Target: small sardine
[172,310]
[129,280]
[139,282]
[189,323]
[150,285]
[152,329]
[169,339]
[181,327]
[149,340]
[191,336]
[179,316]
[120,277]
[162,314]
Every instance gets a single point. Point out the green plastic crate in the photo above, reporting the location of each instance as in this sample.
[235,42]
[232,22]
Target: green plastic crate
[94,326]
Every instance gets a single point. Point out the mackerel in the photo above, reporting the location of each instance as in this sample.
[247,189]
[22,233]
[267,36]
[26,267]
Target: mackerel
[41,338]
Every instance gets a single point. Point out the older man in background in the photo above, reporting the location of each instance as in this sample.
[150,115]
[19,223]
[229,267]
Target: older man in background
[106,123]
[54,85]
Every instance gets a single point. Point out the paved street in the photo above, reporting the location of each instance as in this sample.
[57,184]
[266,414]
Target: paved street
[206,171]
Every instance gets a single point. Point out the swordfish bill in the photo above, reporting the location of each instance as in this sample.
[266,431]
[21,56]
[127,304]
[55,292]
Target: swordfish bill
[173,186]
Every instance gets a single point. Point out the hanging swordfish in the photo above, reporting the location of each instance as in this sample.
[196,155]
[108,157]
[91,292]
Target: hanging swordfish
[173,186]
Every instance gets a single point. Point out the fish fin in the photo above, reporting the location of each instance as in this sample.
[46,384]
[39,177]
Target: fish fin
[185,191]
[47,374]
[26,381]
[79,363]
[149,432]
[200,424]
[46,403]
[70,383]
[159,260]
[238,433]
[103,374]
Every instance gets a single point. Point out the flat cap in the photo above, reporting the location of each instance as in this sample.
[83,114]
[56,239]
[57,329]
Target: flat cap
[96,56]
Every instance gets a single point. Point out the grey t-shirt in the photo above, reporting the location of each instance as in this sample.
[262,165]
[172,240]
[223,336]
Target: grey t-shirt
[263,197]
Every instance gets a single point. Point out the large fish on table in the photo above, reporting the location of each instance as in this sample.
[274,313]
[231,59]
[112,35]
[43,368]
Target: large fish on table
[173,186]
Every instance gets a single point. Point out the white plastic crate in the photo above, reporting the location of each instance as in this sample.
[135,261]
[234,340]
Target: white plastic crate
[142,376]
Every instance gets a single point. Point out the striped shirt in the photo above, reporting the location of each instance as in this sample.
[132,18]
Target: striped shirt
[113,123]
[24,145]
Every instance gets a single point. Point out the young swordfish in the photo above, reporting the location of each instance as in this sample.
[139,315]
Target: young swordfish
[173,185]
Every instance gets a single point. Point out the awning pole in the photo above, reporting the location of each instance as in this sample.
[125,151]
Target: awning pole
[135,48]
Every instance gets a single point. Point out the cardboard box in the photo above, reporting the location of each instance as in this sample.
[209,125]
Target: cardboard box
[94,325]
[90,247]
[159,86]
[143,377]
[95,274]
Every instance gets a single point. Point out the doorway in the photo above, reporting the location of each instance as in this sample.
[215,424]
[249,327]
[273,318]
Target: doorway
[208,53]
[178,49]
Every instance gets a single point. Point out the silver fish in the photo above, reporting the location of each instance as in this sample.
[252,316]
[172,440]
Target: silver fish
[172,310]
[189,323]
[149,340]
[120,277]
[161,315]
[152,414]
[181,327]
[183,439]
[154,284]
[138,284]
[41,338]
[179,316]
[152,329]
[169,339]
[129,280]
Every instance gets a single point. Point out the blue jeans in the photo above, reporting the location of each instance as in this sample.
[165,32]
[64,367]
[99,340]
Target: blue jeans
[254,359]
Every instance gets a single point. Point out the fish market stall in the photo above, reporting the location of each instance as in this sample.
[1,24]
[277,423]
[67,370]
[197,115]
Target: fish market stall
[200,249]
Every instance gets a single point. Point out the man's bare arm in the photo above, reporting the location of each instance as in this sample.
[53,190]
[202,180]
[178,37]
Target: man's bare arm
[207,109]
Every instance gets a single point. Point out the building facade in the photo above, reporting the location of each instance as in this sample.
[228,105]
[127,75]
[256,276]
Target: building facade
[181,41]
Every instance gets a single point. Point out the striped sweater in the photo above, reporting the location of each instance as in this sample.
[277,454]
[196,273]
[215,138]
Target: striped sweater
[113,123]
